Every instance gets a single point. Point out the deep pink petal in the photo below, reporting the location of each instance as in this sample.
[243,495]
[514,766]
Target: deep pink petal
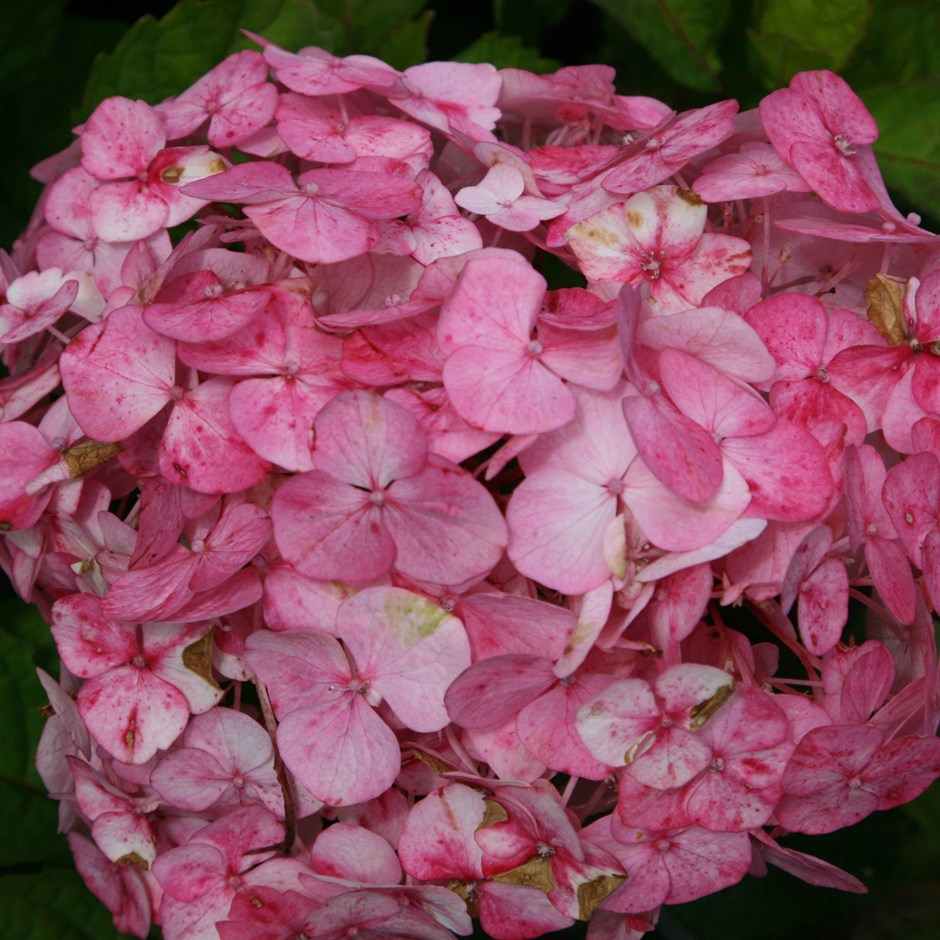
[678,451]
[786,469]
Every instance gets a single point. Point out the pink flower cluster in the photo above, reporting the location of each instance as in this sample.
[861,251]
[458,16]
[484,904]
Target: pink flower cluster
[394,586]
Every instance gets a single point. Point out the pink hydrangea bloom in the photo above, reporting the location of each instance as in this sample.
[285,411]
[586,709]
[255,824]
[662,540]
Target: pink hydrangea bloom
[450,534]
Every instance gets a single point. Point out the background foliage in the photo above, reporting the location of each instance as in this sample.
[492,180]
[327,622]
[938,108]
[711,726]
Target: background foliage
[59,58]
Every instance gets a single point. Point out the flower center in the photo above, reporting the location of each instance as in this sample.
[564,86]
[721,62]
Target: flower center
[843,145]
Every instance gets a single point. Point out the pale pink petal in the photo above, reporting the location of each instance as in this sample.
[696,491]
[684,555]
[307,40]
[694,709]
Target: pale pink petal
[300,670]
[676,524]
[355,854]
[127,211]
[368,441]
[506,391]
[493,304]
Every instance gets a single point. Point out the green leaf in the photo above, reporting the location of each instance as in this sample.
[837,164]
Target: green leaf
[682,35]
[795,35]
[22,694]
[30,821]
[900,44]
[407,43]
[29,31]
[528,19]
[365,25]
[52,905]
[157,59]
[36,111]
[908,146]
[506,52]
[27,815]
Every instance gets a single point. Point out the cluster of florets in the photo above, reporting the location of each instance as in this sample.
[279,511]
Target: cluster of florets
[394,586]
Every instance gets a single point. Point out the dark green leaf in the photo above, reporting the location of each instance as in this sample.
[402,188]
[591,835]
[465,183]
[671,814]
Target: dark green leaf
[406,44]
[366,24]
[901,44]
[528,19]
[22,694]
[157,59]
[53,904]
[908,147]
[682,35]
[29,31]
[795,35]
[506,52]
[27,815]
[29,821]
[36,111]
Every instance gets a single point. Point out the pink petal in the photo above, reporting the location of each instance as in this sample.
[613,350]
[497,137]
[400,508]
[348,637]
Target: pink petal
[120,138]
[132,713]
[445,524]
[824,606]
[342,753]
[117,375]
[300,670]
[313,229]
[676,524]
[330,530]
[89,642]
[497,688]
[410,649]
[355,854]
[368,441]
[201,447]
[493,304]
[124,212]
[677,450]
[506,391]
[557,522]
[438,837]
[786,469]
